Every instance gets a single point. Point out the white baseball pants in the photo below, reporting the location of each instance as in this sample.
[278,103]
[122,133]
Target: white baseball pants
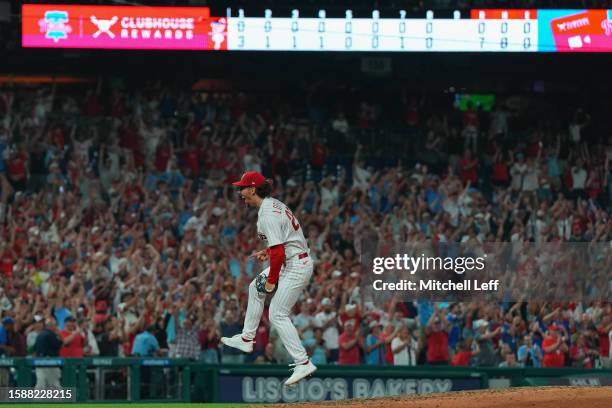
[293,279]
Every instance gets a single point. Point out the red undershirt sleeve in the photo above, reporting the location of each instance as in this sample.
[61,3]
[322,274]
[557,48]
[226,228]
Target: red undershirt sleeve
[277,258]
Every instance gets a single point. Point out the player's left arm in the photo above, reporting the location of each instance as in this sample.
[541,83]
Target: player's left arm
[273,230]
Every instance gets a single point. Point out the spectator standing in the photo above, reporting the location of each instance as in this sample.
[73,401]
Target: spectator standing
[33,331]
[581,354]
[268,356]
[73,339]
[603,329]
[485,337]
[436,333]
[529,353]
[405,348]
[145,344]
[48,344]
[5,349]
[109,335]
[510,362]
[209,342]
[327,320]
[317,351]
[468,167]
[579,178]
[229,328]
[471,127]
[554,348]
[375,345]
[305,322]
[518,171]
[350,345]
[466,351]
[187,339]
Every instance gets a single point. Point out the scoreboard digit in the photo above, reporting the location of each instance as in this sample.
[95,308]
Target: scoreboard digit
[348,29]
[375,29]
[429,31]
[295,27]
[268,26]
[402,28]
[321,29]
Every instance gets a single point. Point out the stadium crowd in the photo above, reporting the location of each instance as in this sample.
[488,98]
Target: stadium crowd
[120,234]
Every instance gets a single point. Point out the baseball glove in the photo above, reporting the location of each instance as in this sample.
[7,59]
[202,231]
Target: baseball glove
[260,284]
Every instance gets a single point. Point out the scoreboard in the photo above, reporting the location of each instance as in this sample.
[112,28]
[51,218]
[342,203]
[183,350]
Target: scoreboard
[486,30]
[193,28]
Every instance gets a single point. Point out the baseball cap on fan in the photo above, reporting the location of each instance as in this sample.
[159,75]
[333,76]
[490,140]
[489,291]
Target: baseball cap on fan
[250,179]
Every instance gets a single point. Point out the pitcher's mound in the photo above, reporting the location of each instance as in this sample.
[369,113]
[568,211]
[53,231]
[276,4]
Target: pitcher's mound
[532,397]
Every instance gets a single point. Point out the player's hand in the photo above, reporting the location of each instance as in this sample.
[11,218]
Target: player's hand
[270,287]
[261,255]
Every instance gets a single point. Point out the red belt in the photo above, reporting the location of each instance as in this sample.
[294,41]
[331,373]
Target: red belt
[303,255]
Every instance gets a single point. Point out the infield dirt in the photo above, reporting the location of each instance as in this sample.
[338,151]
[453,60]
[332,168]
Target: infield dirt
[532,397]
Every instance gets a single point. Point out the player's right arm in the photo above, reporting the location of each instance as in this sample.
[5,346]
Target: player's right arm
[261,255]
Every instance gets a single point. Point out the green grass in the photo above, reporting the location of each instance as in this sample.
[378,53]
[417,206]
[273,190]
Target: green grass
[127,405]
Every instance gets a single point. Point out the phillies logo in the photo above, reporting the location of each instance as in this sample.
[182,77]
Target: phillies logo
[55,25]
[607,26]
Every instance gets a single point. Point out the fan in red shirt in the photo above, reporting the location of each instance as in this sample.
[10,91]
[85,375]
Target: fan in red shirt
[73,339]
[387,336]
[467,168]
[350,343]
[17,170]
[581,355]
[127,135]
[191,160]
[7,259]
[554,348]
[318,154]
[463,356]
[603,331]
[350,314]
[437,340]
[501,174]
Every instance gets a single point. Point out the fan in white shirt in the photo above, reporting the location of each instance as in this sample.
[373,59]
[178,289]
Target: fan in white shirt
[404,348]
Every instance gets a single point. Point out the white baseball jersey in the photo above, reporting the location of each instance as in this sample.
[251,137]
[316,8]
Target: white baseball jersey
[277,225]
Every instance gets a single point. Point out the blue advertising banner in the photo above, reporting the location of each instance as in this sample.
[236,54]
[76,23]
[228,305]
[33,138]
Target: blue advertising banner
[270,389]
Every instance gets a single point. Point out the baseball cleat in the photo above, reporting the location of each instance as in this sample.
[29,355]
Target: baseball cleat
[300,371]
[237,342]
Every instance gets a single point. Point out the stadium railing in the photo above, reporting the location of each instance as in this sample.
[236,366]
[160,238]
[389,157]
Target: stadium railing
[180,380]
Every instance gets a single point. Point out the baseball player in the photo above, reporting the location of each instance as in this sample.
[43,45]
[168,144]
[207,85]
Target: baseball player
[289,273]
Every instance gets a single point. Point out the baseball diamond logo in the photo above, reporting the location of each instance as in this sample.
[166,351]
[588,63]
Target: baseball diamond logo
[104,26]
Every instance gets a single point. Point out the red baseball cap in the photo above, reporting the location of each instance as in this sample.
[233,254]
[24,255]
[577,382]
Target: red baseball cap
[250,179]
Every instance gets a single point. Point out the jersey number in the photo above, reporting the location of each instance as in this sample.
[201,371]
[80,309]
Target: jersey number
[294,222]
